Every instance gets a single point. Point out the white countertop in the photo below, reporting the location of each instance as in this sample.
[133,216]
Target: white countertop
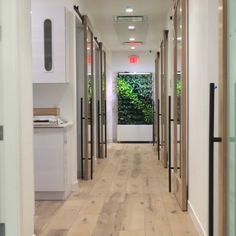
[64,125]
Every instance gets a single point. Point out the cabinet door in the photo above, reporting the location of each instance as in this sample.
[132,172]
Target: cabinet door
[49,45]
[49,159]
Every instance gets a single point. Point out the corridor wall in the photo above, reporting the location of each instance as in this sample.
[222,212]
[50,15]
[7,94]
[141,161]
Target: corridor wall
[203,69]
[203,47]
[110,97]
[120,63]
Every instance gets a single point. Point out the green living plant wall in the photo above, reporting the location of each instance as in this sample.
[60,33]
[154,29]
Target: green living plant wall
[134,93]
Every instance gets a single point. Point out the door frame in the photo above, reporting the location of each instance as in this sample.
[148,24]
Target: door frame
[88,156]
[97,74]
[157,79]
[103,109]
[164,77]
[222,181]
[180,184]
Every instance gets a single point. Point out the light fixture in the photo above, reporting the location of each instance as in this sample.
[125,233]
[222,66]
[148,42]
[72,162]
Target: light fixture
[129,9]
[131,39]
[133,48]
[131,27]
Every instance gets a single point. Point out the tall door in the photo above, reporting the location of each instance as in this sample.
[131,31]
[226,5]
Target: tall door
[180,91]
[164,70]
[227,124]
[2,220]
[104,105]
[88,103]
[157,102]
[231,119]
[16,217]
[103,144]
[97,101]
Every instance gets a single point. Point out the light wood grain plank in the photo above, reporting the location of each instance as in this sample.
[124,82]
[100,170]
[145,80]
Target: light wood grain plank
[128,196]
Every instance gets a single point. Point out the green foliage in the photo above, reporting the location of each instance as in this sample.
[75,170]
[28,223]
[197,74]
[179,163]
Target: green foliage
[179,91]
[90,91]
[134,99]
[179,85]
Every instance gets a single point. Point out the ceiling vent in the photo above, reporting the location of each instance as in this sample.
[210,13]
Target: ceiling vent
[129,19]
[133,43]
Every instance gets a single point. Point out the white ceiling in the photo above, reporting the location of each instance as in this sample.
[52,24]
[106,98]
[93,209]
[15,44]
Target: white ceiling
[101,13]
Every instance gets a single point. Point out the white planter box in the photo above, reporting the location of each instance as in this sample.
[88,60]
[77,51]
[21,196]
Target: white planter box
[134,133]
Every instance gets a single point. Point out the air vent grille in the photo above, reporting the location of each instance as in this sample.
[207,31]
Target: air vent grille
[134,44]
[129,19]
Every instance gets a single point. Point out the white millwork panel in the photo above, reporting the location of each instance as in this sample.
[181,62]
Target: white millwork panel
[49,45]
[134,133]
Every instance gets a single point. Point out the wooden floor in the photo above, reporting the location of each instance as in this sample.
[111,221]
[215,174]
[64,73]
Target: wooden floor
[128,197]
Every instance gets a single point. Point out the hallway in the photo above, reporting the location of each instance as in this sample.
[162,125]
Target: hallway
[128,197]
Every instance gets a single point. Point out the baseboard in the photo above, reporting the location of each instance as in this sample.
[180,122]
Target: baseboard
[134,142]
[195,220]
[110,141]
[75,186]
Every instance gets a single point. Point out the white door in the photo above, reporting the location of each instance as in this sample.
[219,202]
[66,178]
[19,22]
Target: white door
[16,169]
[1,130]
[8,198]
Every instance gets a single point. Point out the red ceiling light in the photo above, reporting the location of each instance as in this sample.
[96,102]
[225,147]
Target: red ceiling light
[133,59]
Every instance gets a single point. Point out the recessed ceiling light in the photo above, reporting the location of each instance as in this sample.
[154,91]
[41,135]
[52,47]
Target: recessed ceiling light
[133,48]
[132,39]
[129,9]
[131,27]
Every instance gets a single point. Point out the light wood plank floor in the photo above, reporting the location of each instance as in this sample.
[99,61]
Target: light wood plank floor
[128,197]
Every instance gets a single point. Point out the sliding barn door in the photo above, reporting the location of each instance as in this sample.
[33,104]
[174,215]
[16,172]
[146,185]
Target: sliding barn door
[103,120]
[157,105]
[227,124]
[87,106]
[180,93]
[163,91]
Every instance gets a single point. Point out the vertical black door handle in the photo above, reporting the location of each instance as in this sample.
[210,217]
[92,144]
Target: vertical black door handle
[105,127]
[91,137]
[1,133]
[81,137]
[98,127]
[153,124]
[158,128]
[212,140]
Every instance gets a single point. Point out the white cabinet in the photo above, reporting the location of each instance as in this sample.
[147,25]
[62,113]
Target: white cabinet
[51,164]
[49,45]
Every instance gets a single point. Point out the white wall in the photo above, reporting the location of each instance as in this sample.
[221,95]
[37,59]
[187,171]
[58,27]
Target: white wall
[110,97]
[62,95]
[120,63]
[203,64]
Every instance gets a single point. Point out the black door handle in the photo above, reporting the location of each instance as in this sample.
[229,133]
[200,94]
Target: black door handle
[212,140]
